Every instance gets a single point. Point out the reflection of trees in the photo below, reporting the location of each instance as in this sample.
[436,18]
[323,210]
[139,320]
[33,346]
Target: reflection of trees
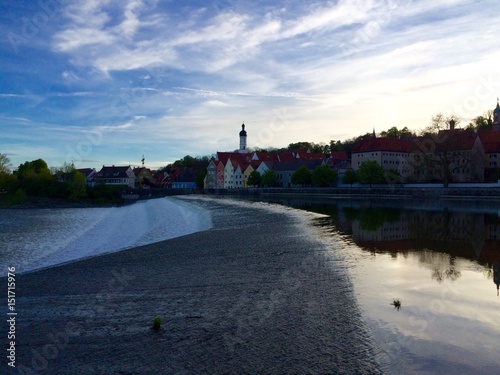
[371,219]
[449,274]
[449,227]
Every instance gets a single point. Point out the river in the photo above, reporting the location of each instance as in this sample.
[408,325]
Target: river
[31,239]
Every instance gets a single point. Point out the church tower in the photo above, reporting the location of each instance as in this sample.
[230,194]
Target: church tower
[243,140]
[496,118]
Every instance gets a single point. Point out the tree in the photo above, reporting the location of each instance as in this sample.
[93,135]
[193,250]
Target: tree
[200,179]
[4,163]
[269,178]
[391,133]
[77,185]
[8,182]
[34,177]
[370,172]
[350,177]
[254,179]
[440,122]
[394,132]
[336,146]
[479,123]
[392,176]
[302,176]
[323,175]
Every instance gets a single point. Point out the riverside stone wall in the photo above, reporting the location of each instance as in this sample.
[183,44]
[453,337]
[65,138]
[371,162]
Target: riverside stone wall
[386,191]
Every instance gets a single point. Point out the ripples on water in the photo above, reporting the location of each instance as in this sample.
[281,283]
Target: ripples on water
[444,267]
[37,238]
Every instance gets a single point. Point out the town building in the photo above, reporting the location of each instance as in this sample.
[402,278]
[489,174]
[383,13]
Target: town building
[116,175]
[285,169]
[144,178]
[390,153]
[490,138]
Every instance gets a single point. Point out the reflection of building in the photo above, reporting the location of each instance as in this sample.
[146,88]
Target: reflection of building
[469,235]
[496,274]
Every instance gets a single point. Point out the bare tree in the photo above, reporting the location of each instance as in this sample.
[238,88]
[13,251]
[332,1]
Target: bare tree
[4,163]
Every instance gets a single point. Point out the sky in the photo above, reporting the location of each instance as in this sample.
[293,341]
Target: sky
[106,82]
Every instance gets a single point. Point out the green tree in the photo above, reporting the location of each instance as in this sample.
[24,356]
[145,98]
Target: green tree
[406,133]
[336,146]
[77,185]
[391,133]
[35,178]
[392,176]
[302,176]
[479,123]
[200,179]
[350,177]
[323,175]
[269,178]
[396,133]
[370,172]
[254,179]
[8,182]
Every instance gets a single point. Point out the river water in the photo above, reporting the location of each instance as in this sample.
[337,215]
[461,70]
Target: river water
[35,238]
[441,260]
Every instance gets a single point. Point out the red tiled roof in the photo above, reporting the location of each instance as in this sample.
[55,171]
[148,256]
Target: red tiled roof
[225,156]
[269,156]
[311,156]
[285,156]
[456,140]
[383,144]
[339,155]
[490,140]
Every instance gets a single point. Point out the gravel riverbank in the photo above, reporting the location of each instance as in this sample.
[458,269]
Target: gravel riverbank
[256,294]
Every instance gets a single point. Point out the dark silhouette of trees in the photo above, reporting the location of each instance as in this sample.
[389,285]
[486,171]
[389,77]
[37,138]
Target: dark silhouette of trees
[324,175]
[302,176]
[254,179]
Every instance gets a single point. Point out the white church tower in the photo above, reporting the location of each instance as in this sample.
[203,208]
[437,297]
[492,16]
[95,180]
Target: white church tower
[243,140]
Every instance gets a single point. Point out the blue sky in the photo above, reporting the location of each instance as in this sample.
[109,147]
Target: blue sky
[105,82]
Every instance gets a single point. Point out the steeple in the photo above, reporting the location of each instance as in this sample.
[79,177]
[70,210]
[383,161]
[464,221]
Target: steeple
[243,140]
[496,117]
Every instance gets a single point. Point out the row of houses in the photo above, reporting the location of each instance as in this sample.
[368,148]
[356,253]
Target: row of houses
[452,155]
[140,177]
[231,170]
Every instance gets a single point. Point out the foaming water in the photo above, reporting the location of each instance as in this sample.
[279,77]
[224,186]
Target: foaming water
[36,238]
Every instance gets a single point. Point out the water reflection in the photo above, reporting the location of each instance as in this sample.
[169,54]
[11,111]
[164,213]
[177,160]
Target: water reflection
[440,260]
[440,235]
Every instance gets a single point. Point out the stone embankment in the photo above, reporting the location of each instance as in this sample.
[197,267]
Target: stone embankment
[353,192]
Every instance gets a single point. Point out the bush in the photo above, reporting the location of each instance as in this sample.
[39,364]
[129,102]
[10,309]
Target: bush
[157,323]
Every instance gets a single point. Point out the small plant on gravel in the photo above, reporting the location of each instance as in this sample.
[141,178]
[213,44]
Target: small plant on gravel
[396,303]
[157,323]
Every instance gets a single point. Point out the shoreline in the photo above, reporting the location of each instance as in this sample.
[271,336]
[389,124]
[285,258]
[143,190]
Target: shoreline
[253,294]
[396,192]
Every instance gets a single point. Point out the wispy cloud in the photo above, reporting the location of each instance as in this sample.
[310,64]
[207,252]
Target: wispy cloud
[170,78]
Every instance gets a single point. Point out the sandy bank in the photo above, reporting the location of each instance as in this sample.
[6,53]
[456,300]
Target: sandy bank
[252,295]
